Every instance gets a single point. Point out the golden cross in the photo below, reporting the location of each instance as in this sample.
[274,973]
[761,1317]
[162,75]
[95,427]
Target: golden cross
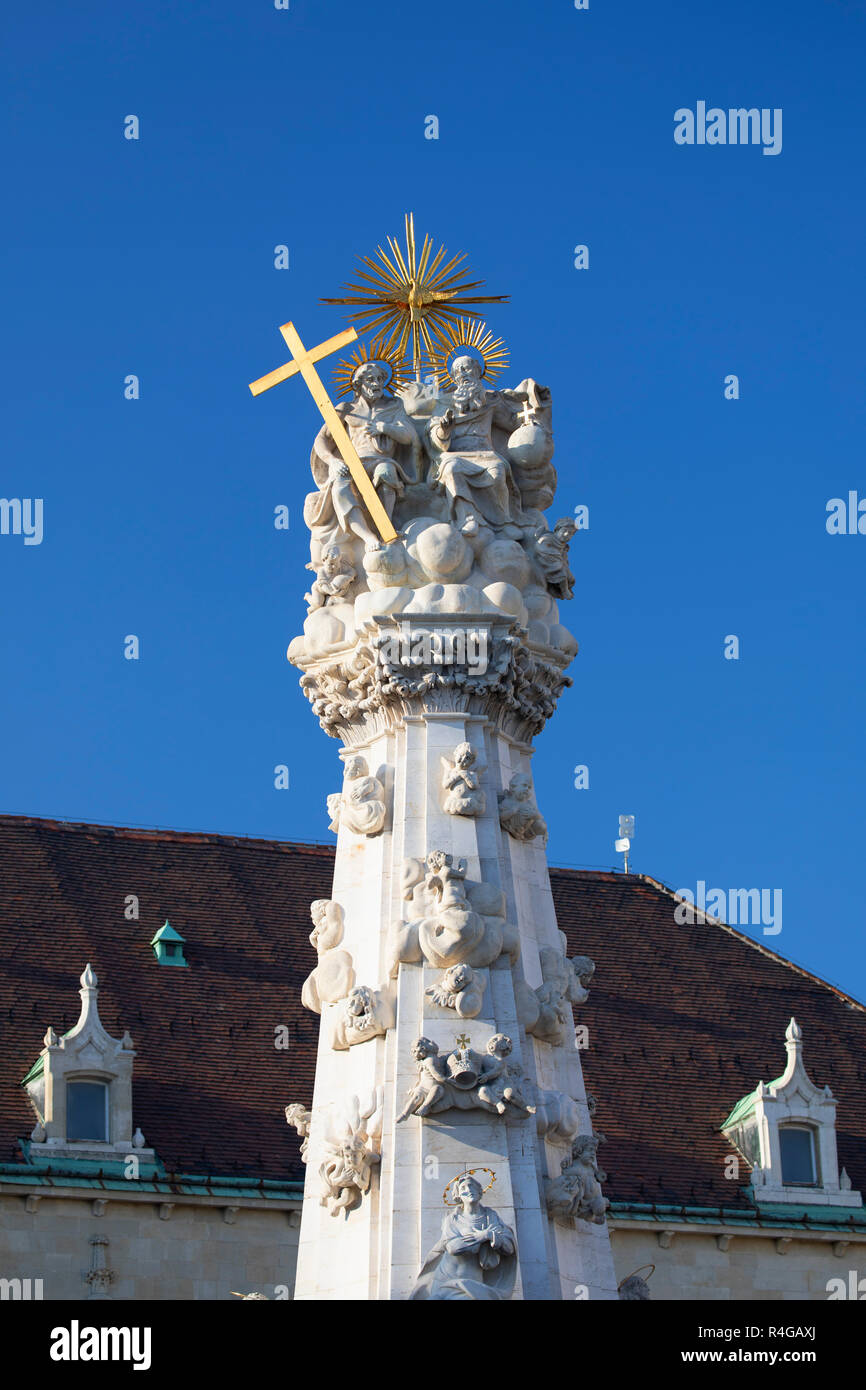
[302,361]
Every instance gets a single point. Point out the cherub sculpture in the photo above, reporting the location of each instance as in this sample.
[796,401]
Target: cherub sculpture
[461,988]
[466,1080]
[431,1086]
[334,577]
[576,1194]
[499,1084]
[461,783]
[360,806]
[456,922]
[550,552]
[517,814]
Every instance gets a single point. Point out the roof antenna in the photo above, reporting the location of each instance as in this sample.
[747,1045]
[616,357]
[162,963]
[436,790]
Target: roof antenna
[623,844]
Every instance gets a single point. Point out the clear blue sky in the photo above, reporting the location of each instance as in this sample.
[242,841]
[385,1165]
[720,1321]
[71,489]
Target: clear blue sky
[261,127]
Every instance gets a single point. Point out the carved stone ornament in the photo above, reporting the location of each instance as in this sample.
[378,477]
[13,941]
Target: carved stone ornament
[364,1014]
[576,1194]
[475,1257]
[517,813]
[352,1152]
[461,988]
[461,783]
[466,1080]
[464,474]
[334,975]
[397,665]
[459,922]
[544,1010]
[361,806]
[99,1277]
[299,1117]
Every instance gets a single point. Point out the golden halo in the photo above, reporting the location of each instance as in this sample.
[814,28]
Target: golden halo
[468,1172]
[374,352]
[651,1268]
[466,334]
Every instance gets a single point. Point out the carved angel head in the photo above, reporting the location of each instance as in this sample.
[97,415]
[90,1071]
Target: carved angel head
[458,977]
[464,755]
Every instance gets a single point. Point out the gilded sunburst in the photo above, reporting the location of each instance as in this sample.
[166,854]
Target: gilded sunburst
[412,299]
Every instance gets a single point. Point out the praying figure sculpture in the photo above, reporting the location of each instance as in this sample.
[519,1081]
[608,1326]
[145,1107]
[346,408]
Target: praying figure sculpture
[360,806]
[475,1258]
[461,783]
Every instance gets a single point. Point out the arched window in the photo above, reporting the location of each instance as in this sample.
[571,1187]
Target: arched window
[787,1130]
[87,1111]
[797,1148]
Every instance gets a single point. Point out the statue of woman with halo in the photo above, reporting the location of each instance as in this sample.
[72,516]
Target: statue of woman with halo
[475,1257]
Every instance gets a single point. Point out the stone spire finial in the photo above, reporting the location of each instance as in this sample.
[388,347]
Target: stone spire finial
[89,993]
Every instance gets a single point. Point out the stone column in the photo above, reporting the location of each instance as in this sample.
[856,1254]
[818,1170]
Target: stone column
[405,715]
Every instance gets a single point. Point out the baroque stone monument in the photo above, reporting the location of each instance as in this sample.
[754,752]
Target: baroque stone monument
[434,651]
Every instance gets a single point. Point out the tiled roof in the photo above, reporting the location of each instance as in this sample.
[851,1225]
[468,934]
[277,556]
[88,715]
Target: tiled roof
[683,1020]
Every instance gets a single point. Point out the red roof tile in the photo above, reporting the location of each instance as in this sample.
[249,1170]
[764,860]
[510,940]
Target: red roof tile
[683,1020]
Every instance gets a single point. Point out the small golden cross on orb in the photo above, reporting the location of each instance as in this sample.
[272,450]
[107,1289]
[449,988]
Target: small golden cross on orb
[303,360]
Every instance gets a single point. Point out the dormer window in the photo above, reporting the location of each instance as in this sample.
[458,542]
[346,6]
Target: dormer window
[797,1151]
[87,1111]
[81,1089]
[786,1130]
[168,946]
